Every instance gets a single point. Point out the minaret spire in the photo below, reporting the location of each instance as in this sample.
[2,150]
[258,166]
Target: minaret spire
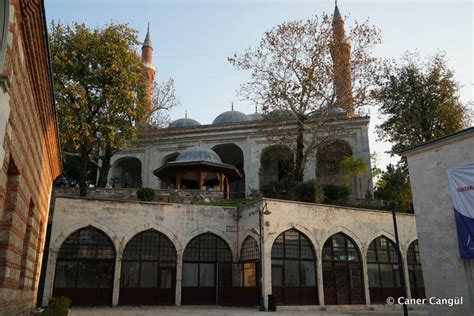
[341,55]
[149,75]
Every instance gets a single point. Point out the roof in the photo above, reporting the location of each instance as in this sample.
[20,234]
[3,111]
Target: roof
[198,154]
[447,139]
[184,122]
[147,42]
[231,117]
[337,15]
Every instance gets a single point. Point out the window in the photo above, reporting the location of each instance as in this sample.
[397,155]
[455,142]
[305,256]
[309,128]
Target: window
[383,270]
[250,262]
[414,271]
[342,271]
[294,269]
[4,22]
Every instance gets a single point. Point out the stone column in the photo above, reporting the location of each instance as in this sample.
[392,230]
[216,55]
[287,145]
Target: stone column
[407,277]
[319,280]
[49,279]
[365,273]
[179,278]
[309,172]
[266,273]
[116,289]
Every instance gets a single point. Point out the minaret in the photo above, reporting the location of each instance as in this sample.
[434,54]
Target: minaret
[149,75]
[341,53]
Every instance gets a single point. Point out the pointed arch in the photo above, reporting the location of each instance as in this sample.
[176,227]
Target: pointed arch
[207,265]
[294,269]
[383,270]
[342,271]
[85,267]
[148,271]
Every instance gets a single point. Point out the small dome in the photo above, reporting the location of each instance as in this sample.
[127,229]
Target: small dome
[184,122]
[255,116]
[281,114]
[198,154]
[231,117]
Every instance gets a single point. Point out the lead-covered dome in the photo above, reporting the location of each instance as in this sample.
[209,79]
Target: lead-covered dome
[184,122]
[198,154]
[231,117]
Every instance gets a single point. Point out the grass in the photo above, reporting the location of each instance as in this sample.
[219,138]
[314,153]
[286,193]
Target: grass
[230,203]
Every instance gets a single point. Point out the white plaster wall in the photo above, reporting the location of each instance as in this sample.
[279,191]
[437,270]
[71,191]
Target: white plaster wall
[445,273]
[121,220]
[152,150]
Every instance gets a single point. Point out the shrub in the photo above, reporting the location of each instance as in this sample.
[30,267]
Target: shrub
[145,194]
[58,306]
[307,191]
[335,194]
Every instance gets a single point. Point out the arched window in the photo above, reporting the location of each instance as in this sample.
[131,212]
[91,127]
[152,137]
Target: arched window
[328,159]
[85,268]
[294,269]
[127,173]
[276,164]
[383,270]
[342,271]
[207,265]
[148,270]
[250,262]
[414,271]
[233,155]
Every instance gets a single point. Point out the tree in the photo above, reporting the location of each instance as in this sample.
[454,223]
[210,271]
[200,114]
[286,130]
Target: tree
[292,75]
[352,169]
[419,101]
[163,99]
[98,78]
[394,186]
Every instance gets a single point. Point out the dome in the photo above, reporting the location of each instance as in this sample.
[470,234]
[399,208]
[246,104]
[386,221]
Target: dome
[281,114]
[184,122]
[198,154]
[255,116]
[231,117]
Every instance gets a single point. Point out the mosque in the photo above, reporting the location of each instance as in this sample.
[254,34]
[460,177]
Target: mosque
[108,251]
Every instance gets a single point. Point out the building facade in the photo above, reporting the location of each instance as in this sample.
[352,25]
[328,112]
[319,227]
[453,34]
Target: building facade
[245,140]
[29,151]
[446,274]
[111,252]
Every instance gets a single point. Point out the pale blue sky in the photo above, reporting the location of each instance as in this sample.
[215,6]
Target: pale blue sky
[192,40]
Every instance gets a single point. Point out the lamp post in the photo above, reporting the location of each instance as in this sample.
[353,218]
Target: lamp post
[261,212]
[399,254]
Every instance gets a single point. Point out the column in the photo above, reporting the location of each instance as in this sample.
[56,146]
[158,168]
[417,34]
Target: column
[365,273]
[116,289]
[49,279]
[319,279]
[179,278]
[407,277]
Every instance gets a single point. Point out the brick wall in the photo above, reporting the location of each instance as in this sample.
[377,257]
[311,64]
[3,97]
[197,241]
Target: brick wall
[29,159]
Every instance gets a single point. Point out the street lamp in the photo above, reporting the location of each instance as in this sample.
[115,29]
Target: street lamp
[394,207]
[263,211]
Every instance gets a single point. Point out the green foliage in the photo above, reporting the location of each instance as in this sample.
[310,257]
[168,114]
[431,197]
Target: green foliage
[335,194]
[308,191]
[394,186]
[419,101]
[145,194]
[99,89]
[58,306]
[352,168]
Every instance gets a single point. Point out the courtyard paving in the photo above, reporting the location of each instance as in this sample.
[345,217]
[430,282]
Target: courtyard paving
[220,310]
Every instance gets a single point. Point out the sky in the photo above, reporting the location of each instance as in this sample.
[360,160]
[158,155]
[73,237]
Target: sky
[193,38]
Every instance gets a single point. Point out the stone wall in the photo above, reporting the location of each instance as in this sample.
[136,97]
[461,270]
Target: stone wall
[29,155]
[446,275]
[121,220]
